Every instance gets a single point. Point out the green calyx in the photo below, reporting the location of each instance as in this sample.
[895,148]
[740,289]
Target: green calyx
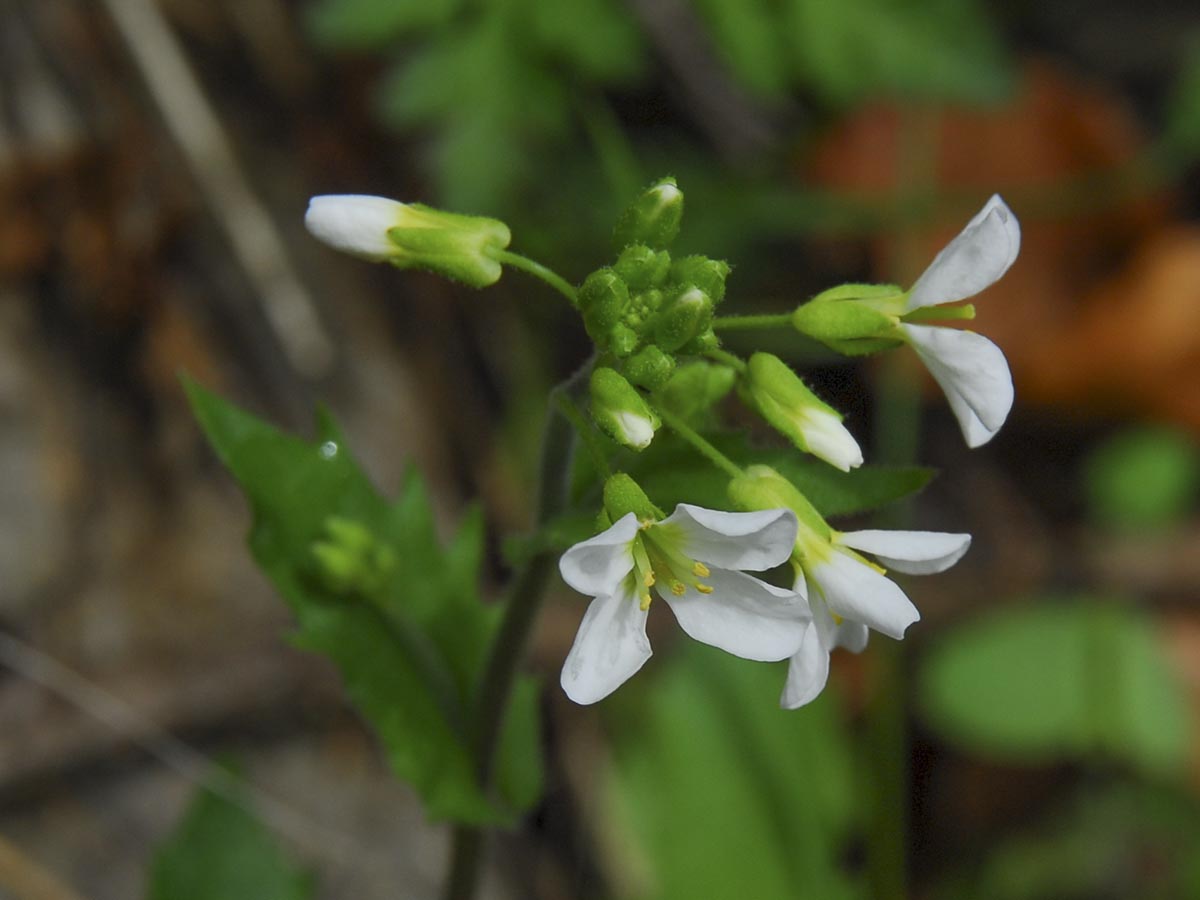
[853,319]
[761,487]
[623,495]
[351,560]
[771,387]
[620,411]
[460,247]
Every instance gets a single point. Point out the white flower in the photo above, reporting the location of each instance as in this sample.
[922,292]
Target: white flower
[356,224]
[693,560]
[847,595]
[971,370]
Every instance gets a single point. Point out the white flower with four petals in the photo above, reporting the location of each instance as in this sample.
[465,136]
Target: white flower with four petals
[696,561]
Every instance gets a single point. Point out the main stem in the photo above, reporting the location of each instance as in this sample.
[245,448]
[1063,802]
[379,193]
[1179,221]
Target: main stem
[508,646]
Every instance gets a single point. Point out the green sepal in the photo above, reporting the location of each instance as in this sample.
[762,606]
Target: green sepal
[777,393]
[641,267]
[682,318]
[620,411]
[761,487]
[456,246]
[603,300]
[695,387]
[623,495]
[653,218]
[699,271]
[650,368]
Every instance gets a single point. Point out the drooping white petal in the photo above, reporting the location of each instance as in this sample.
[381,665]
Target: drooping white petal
[911,552]
[596,566]
[355,223]
[851,636]
[610,646]
[808,671]
[828,439]
[858,593]
[976,259]
[743,616]
[973,373]
[752,540]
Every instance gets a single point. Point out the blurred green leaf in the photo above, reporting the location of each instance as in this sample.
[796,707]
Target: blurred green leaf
[374,24]
[218,852]
[1143,478]
[671,472]
[718,793]
[1125,841]
[1058,680]
[859,49]
[411,657]
[1182,131]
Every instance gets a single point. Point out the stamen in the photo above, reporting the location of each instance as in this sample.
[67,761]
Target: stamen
[700,570]
[704,588]
[649,579]
[678,588]
[645,604]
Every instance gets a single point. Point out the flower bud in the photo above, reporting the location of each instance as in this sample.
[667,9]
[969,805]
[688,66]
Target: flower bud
[793,410]
[623,495]
[410,236]
[650,368]
[683,317]
[696,387]
[853,319]
[350,558]
[603,299]
[653,218]
[642,268]
[620,411]
[761,487]
[622,340]
[699,271]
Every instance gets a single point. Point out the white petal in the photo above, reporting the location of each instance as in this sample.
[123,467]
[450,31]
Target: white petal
[976,259]
[973,373]
[829,439]
[851,635]
[743,616]
[596,566]
[911,552]
[355,223]
[610,646]
[752,540]
[807,673]
[857,592]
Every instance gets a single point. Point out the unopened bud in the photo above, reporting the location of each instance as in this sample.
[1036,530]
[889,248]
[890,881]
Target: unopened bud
[410,236]
[351,558]
[650,368]
[699,271]
[642,268]
[620,410]
[653,218]
[796,412]
[603,298]
[623,495]
[695,387]
[683,317]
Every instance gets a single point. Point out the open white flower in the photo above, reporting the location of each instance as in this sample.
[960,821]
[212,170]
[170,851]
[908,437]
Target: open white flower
[847,594]
[971,370]
[694,560]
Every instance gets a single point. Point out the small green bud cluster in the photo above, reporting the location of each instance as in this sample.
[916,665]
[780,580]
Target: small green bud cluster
[647,309]
[351,560]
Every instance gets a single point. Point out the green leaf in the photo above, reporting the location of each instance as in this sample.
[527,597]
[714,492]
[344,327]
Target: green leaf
[671,472]
[596,38]
[1144,478]
[718,793]
[411,657]
[857,49]
[1058,680]
[373,24]
[219,851]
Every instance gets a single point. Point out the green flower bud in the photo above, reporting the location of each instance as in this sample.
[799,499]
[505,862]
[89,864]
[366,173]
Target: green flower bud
[411,236]
[793,410]
[620,410]
[683,317]
[351,559]
[701,343]
[853,319]
[653,218]
[603,300]
[761,487]
[649,368]
[622,340]
[699,271]
[642,268]
[623,495]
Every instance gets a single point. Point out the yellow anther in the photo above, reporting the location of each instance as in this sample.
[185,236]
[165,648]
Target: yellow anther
[837,620]
[678,589]
[649,580]
[645,604]
[704,588]
[700,570]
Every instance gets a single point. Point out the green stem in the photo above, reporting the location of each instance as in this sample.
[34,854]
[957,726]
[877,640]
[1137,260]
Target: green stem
[537,270]
[570,409]
[711,453]
[507,649]
[730,323]
[723,356]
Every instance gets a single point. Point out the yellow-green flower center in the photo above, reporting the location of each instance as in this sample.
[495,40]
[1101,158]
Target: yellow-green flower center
[658,561]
